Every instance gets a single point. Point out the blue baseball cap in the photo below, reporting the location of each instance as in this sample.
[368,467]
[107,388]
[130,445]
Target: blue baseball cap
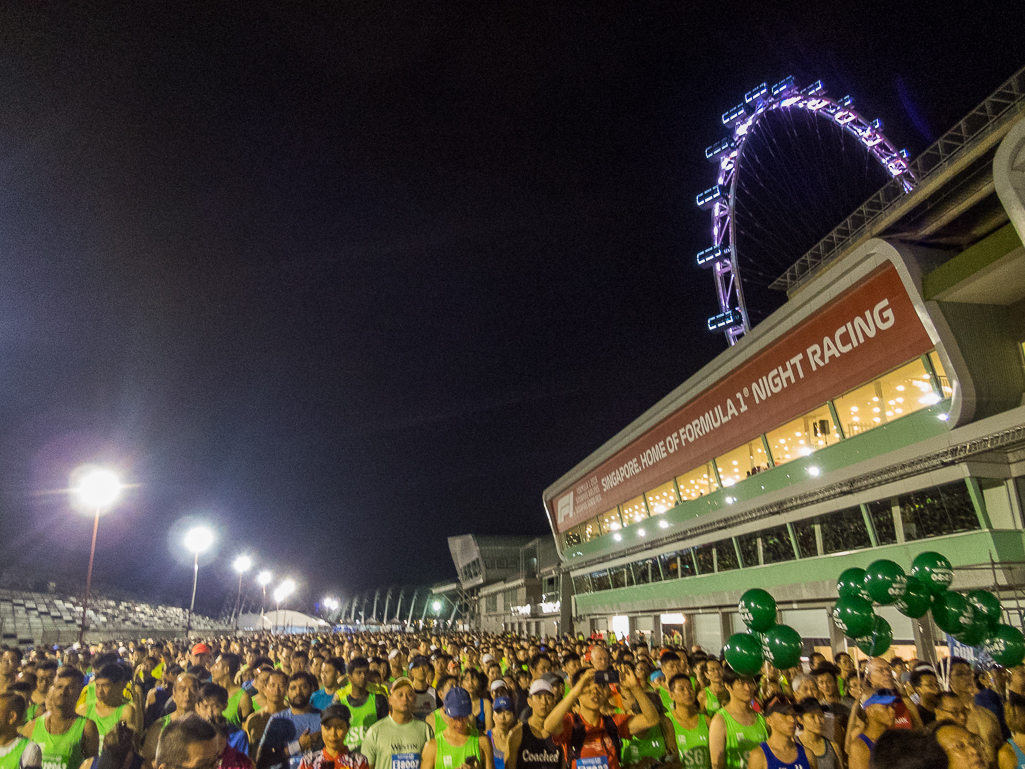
[457,703]
[881,697]
[656,675]
[501,703]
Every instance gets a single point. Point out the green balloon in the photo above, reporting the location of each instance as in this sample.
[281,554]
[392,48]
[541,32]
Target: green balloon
[878,641]
[743,652]
[762,642]
[1006,646]
[916,599]
[784,646]
[757,609]
[851,582]
[975,634]
[885,581]
[853,615]
[934,570]
[987,607]
[952,613]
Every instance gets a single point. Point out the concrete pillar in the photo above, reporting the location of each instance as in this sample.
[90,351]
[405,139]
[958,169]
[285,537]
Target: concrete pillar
[726,626]
[836,639]
[656,630]
[690,633]
[566,604]
[632,628]
[925,639]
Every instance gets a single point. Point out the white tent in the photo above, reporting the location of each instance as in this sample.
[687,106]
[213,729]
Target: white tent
[283,620]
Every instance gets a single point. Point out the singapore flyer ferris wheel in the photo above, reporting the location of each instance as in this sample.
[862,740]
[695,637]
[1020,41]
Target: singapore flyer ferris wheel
[722,258]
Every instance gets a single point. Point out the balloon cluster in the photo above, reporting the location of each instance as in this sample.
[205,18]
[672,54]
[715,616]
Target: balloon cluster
[973,619]
[779,644]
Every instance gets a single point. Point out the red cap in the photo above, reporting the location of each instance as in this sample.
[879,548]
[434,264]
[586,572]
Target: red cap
[200,649]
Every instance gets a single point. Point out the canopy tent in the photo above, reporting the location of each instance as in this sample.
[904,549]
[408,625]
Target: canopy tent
[282,620]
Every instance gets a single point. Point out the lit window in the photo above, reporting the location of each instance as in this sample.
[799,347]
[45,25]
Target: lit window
[662,498]
[886,390]
[610,521]
[697,482]
[742,462]
[634,511]
[941,374]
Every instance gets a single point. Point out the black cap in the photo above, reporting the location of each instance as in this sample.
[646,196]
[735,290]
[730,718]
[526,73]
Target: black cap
[335,711]
[779,704]
[419,661]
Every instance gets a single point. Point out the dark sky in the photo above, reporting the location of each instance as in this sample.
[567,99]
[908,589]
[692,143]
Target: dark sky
[347,278]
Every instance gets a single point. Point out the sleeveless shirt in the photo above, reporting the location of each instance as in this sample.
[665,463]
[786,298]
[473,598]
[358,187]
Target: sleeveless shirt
[60,751]
[692,744]
[772,762]
[741,740]
[451,756]
[536,752]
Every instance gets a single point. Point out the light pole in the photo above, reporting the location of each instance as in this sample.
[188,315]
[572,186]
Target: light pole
[97,489]
[198,540]
[264,578]
[242,564]
[281,592]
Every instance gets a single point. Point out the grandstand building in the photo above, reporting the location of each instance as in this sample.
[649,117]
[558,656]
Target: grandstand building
[878,414]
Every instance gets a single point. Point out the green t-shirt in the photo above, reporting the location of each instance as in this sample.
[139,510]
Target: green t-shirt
[388,745]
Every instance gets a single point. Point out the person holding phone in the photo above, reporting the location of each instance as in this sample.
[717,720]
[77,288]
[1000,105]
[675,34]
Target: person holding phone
[334,728]
[590,738]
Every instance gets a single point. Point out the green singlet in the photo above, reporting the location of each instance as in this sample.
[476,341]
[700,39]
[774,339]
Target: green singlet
[439,722]
[692,744]
[60,751]
[105,723]
[649,744]
[451,756]
[231,712]
[741,740]
[34,709]
[362,718]
[12,758]
[712,704]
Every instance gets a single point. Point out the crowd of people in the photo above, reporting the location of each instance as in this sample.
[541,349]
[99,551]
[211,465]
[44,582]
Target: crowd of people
[479,701]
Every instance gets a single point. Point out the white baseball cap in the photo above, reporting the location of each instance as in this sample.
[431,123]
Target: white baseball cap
[498,683]
[393,654]
[540,685]
[487,658]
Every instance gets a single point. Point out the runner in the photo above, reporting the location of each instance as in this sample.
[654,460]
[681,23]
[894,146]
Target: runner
[780,749]
[292,731]
[736,729]
[397,741]
[334,729]
[211,705]
[530,746]
[981,721]
[185,696]
[223,673]
[826,752]
[881,712]
[458,745]
[365,707]
[589,734]
[426,701]
[189,741]
[16,751]
[66,739]
[505,722]
[713,696]
[110,706]
[275,687]
[46,671]
[690,726]
[332,670]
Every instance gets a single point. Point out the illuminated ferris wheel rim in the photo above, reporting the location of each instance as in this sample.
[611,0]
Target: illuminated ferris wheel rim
[721,257]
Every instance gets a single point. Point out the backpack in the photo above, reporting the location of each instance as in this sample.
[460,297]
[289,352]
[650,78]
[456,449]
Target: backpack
[579,734]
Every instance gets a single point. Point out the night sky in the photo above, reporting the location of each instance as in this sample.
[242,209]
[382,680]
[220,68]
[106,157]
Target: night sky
[348,278]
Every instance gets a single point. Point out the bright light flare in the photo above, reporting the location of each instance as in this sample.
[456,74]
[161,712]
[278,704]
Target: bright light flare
[264,578]
[96,488]
[242,564]
[199,539]
[331,603]
[285,589]
[436,606]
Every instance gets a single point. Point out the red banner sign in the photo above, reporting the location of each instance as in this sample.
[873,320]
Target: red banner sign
[868,331]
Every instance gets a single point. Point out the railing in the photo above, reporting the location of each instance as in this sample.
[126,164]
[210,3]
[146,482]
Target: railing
[993,115]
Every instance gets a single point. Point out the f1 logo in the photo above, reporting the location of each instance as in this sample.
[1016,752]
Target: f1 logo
[565,510]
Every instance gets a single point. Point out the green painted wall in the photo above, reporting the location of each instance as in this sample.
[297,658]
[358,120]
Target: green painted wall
[962,549]
[970,261]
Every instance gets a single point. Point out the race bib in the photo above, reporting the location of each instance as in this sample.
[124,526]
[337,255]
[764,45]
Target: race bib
[594,762]
[405,761]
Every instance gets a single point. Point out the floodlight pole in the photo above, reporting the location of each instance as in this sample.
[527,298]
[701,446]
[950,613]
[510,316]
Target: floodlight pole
[192,605]
[89,576]
[238,602]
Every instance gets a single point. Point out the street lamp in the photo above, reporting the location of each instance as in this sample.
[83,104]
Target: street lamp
[97,489]
[281,592]
[198,540]
[242,564]
[264,578]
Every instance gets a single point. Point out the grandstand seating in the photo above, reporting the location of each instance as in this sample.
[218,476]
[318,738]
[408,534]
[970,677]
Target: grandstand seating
[30,619]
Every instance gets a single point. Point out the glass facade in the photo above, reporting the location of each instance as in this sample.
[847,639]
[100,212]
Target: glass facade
[697,482]
[933,512]
[742,462]
[662,498]
[902,391]
[804,435]
[893,395]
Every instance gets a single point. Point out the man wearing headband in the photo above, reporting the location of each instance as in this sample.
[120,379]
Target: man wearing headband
[781,749]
